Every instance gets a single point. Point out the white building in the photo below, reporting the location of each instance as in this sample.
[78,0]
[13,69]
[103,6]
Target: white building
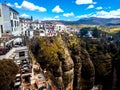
[25,24]
[59,27]
[33,33]
[42,32]
[29,33]
[48,26]
[36,25]
[9,20]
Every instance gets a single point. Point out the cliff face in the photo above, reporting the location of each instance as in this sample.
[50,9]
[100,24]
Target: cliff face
[116,72]
[71,66]
[68,65]
[102,60]
[84,72]
[54,56]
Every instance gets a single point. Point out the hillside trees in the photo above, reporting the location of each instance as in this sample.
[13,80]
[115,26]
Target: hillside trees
[95,31]
[8,70]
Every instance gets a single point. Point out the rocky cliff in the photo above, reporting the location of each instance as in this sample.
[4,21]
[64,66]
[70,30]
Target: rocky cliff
[71,66]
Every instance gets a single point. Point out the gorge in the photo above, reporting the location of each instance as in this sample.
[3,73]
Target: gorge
[78,64]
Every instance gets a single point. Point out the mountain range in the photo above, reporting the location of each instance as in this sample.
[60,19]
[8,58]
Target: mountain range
[95,21]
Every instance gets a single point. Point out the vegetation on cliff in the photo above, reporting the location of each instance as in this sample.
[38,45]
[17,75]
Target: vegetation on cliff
[84,72]
[53,56]
[65,62]
[79,64]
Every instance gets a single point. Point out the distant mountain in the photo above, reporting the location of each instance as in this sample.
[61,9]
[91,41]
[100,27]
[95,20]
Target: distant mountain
[95,21]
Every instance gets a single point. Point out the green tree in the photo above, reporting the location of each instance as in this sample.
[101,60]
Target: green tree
[84,31]
[96,32]
[8,70]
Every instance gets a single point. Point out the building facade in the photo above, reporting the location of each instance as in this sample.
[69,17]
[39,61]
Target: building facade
[25,24]
[36,25]
[9,20]
[59,27]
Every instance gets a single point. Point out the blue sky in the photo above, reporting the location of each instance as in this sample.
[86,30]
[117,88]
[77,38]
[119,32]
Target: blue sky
[66,9]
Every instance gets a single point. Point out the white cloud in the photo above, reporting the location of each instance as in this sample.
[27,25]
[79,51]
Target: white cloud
[10,5]
[108,7]
[90,6]
[50,18]
[110,14]
[84,16]
[68,20]
[102,14]
[24,15]
[30,6]
[16,5]
[57,9]
[94,3]
[68,14]
[99,8]
[78,2]
[56,17]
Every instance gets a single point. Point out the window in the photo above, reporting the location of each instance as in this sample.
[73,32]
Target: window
[21,54]
[0,12]
[59,26]
[12,23]
[1,28]
[14,15]
[28,33]
[17,23]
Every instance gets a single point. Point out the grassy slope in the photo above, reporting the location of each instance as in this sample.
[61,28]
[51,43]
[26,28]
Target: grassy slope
[107,29]
[110,29]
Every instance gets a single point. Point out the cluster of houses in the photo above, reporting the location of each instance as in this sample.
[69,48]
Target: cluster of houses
[11,23]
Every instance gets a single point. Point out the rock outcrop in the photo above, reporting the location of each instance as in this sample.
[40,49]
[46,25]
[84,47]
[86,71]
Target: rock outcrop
[70,66]
[84,72]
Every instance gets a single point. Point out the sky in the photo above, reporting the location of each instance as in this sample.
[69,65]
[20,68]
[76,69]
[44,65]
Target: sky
[69,10]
